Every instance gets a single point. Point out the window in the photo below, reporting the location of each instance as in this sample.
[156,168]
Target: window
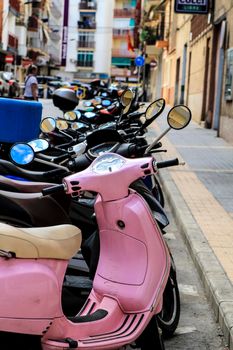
[85,59]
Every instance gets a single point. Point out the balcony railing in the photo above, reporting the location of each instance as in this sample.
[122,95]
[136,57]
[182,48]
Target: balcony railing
[88,64]
[87,5]
[124,13]
[86,44]
[83,25]
[15,5]
[13,42]
[120,33]
[123,53]
[32,24]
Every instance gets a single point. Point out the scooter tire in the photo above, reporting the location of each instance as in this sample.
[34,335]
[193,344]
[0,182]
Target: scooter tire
[168,318]
[157,192]
[151,338]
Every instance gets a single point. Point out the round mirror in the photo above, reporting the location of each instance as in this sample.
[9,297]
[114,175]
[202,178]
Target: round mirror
[21,153]
[126,97]
[106,103]
[70,115]
[179,117]
[96,101]
[61,124]
[76,126]
[39,145]
[87,103]
[155,108]
[48,124]
[89,115]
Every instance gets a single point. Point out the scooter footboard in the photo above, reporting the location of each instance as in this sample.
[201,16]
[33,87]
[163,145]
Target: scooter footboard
[89,331]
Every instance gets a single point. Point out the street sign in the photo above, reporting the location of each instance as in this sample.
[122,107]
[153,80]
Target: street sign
[192,6]
[9,59]
[139,61]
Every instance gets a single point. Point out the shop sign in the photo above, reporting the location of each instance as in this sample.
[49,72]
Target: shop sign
[192,6]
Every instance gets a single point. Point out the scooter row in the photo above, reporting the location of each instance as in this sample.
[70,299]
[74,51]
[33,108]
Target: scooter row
[134,263]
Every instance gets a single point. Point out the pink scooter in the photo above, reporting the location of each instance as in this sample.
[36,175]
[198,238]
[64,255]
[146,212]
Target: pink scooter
[131,276]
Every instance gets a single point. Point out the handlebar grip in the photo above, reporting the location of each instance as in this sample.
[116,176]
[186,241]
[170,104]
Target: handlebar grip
[52,190]
[167,163]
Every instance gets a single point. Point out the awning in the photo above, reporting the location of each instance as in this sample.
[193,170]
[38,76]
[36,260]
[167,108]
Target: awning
[121,61]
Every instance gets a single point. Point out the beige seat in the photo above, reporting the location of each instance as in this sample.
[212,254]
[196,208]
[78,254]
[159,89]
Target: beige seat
[54,242]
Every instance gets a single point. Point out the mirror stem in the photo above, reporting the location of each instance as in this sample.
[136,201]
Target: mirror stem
[64,133]
[157,140]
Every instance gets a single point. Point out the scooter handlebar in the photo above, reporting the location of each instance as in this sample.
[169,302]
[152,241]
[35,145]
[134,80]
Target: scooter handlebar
[52,190]
[167,163]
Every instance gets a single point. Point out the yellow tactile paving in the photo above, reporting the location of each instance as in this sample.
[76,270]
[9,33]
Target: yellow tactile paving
[215,223]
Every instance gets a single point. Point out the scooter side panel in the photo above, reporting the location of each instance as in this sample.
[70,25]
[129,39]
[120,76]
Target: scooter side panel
[147,268]
[30,289]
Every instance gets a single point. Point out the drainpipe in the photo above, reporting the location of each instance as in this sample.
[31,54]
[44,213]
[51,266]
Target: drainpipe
[220,70]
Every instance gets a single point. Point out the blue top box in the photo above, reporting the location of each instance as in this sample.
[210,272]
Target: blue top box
[19,120]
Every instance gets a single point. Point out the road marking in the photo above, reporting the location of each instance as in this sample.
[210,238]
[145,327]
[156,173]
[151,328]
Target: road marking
[188,289]
[185,330]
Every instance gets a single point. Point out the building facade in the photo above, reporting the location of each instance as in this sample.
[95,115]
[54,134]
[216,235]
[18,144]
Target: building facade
[87,39]
[196,62]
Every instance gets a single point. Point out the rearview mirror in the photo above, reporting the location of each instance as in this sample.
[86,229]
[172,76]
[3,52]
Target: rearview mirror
[61,124]
[39,145]
[70,115]
[126,97]
[21,154]
[179,117]
[155,108]
[48,125]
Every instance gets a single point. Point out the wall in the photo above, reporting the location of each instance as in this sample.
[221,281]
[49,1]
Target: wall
[226,118]
[103,51]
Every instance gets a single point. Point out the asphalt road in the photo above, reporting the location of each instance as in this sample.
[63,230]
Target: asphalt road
[197,328]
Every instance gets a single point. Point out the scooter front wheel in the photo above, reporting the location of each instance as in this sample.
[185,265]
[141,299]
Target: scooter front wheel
[151,338]
[168,318]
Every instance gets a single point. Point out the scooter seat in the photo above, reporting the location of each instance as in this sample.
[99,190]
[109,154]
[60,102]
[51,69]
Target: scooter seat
[54,242]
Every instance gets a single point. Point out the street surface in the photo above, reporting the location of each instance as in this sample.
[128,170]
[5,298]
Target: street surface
[197,328]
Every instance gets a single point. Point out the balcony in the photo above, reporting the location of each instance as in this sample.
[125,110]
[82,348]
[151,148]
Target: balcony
[84,64]
[87,5]
[120,33]
[12,42]
[32,24]
[14,6]
[124,13]
[123,53]
[82,44]
[86,26]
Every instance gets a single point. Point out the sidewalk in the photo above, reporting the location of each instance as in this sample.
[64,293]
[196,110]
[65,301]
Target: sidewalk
[201,197]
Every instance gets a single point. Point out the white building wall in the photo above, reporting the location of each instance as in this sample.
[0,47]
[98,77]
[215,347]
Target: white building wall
[103,50]
[5,24]
[71,61]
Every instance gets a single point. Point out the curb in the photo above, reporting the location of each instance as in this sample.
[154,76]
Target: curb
[218,288]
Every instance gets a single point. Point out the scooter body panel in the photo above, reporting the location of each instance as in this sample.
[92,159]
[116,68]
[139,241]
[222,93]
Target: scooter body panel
[124,269]
[30,293]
